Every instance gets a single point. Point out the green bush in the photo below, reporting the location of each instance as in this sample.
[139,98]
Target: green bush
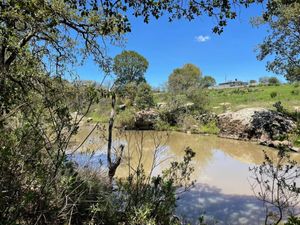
[199,98]
[126,119]
[274,81]
[295,92]
[210,128]
[188,123]
[162,125]
[144,97]
[273,94]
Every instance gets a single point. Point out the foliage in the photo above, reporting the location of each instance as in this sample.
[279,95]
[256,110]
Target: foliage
[274,183]
[129,92]
[283,40]
[207,81]
[269,80]
[184,78]
[273,94]
[274,81]
[188,123]
[209,128]
[152,200]
[293,220]
[129,66]
[264,80]
[199,99]
[34,167]
[126,119]
[144,97]
[252,82]
[295,92]
[162,125]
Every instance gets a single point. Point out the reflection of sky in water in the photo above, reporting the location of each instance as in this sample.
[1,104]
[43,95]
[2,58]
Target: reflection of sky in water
[90,160]
[94,159]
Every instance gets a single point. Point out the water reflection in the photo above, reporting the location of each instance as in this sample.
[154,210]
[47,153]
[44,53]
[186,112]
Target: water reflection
[219,207]
[221,170]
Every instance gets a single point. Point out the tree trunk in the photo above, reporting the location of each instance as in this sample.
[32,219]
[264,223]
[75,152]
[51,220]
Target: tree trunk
[112,165]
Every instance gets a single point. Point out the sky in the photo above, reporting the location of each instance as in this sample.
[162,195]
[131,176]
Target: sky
[169,45]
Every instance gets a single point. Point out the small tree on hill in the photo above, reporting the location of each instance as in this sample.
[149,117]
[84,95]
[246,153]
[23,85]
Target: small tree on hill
[208,81]
[144,97]
[264,80]
[274,81]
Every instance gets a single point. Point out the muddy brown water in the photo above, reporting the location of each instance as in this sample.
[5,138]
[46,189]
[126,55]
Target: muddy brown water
[222,191]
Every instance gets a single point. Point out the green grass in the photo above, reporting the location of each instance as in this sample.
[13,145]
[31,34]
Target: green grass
[234,99]
[100,112]
[260,96]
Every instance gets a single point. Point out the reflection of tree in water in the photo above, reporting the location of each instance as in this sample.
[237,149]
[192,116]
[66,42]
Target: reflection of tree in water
[275,184]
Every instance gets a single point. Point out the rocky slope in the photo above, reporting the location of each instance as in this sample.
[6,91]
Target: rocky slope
[257,124]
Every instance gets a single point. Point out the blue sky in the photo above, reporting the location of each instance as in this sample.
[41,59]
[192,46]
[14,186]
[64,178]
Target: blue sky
[171,45]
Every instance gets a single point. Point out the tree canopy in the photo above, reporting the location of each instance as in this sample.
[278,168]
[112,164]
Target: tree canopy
[283,40]
[184,78]
[208,81]
[129,66]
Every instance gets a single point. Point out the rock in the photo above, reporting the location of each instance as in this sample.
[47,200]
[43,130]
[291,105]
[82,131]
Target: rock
[280,144]
[145,119]
[189,105]
[206,118]
[161,105]
[122,107]
[256,124]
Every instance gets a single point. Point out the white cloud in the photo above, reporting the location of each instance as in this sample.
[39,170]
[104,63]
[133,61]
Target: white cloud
[202,38]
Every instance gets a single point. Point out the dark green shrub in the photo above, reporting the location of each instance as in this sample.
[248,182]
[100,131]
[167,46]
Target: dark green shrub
[126,119]
[273,94]
[144,97]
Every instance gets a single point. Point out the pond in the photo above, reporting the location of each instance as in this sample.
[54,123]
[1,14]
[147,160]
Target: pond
[222,190]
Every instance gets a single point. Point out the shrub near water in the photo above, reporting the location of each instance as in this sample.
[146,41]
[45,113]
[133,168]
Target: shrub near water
[144,97]
[210,128]
[125,119]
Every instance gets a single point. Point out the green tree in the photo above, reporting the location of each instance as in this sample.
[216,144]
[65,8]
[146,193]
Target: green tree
[129,66]
[282,42]
[274,81]
[264,80]
[144,97]
[184,78]
[199,97]
[208,81]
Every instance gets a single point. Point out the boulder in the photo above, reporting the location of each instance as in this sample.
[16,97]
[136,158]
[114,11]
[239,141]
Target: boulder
[145,119]
[122,107]
[256,124]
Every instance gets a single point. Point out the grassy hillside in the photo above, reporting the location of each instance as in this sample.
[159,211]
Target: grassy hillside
[259,96]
